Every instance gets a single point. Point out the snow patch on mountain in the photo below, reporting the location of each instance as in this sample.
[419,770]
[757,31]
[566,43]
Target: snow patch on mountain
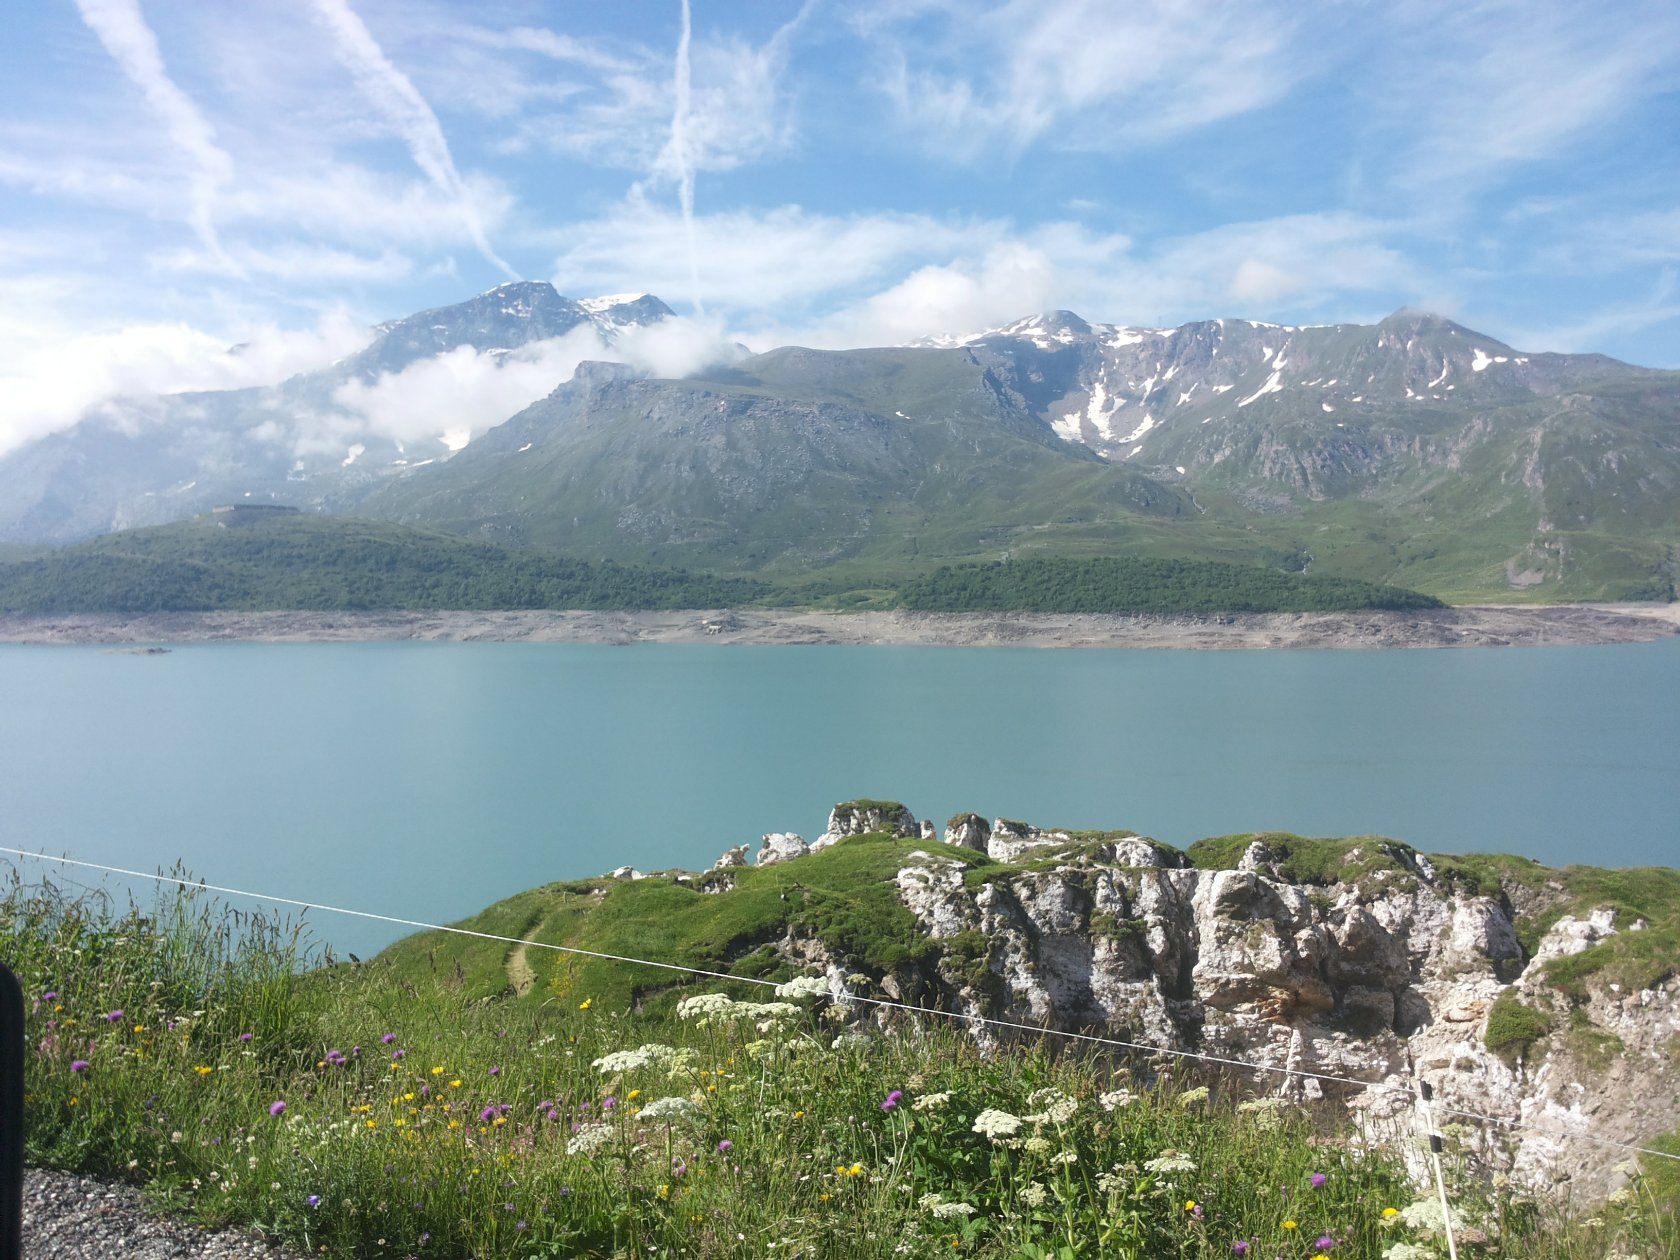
[1273,385]
[596,305]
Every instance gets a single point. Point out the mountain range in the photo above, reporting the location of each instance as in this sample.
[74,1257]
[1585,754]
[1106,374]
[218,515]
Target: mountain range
[305,442]
[1413,451]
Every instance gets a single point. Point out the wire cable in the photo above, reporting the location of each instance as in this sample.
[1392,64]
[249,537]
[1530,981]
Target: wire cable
[881,1003]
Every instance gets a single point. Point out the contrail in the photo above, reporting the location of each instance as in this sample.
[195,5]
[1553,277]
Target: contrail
[134,47]
[684,159]
[395,96]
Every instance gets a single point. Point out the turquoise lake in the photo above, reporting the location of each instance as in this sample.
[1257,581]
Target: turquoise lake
[426,780]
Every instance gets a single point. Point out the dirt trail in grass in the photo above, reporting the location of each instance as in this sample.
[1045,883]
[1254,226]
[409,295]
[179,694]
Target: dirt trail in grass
[521,975]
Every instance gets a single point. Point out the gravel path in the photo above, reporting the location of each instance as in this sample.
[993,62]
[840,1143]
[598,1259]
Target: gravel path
[69,1217]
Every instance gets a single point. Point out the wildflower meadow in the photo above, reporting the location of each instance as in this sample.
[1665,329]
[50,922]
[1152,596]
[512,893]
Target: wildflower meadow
[356,1111]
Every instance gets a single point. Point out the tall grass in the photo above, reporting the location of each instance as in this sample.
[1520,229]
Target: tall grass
[355,1113]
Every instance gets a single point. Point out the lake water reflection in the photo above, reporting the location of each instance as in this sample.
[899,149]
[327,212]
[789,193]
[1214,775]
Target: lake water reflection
[426,780]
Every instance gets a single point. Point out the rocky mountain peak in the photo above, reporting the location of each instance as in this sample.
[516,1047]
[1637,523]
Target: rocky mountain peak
[500,319]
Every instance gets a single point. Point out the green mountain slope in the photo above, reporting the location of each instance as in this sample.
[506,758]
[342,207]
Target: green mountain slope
[295,561]
[796,460]
[282,559]
[1412,452]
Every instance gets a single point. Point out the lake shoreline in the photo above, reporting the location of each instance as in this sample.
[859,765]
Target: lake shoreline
[1478,625]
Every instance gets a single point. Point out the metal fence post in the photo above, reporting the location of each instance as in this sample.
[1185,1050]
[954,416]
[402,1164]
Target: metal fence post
[11,1116]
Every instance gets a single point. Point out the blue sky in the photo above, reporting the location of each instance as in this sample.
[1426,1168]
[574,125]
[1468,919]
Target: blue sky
[176,176]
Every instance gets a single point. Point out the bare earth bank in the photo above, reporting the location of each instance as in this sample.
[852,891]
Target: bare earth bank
[1483,625]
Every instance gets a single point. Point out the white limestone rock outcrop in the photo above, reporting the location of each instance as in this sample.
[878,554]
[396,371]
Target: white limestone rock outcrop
[856,818]
[732,858]
[1336,986]
[781,846]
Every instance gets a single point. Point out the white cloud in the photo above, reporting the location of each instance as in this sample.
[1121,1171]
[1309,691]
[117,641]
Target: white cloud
[1460,93]
[1262,282]
[395,96]
[1589,331]
[54,379]
[827,280]
[460,394]
[674,347]
[1080,74]
[294,264]
[616,105]
[784,258]
[134,47]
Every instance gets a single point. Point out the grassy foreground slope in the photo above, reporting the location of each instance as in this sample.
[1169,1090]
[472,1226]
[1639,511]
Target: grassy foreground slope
[295,561]
[399,1109]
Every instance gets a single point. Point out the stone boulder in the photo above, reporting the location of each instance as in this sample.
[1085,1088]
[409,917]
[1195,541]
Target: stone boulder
[857,818]
[1011,840]
[732,857]
[968,831]
[781,846]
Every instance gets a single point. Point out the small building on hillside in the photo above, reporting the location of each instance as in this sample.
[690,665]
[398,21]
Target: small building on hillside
[248,513]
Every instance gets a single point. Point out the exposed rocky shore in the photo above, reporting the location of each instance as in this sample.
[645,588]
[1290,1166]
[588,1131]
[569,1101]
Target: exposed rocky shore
[1484,625]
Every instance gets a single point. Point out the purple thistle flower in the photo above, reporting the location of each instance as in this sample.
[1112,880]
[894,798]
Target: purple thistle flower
[495,1071]
[244,1036]
[608,1103]
[277,1107]
[725,1146]
[1196,1211]
[398,1055]
[313,1200]
[79,1065]
[487,1115]
[113,1016]
[891,1100]
[1239,1248]
[1325,1242]
[388,1038]
[49,996]
[553,1115]
[1318,1180]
